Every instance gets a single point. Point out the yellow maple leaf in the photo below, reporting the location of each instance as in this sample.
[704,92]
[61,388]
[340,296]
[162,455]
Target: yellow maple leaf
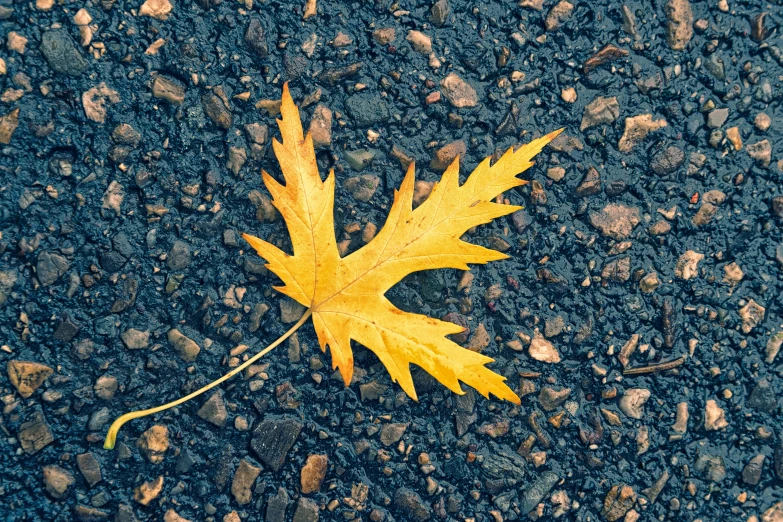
[345,295]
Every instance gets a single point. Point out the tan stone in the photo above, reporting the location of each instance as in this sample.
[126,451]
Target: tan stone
[168,88]
[459,93]
[384,36]
[681,420]
[95,99]
[113,197]
[421,191]
[8,124]
[242,483]
[636,129]
[146,492]
[186,348]
[158,9]
[714,416]
[172,516]
[761,152]
[618,502]
[732,274]
[154,442]
[420,42]
[57,481]
[135,339]
[27,376]
[679,28]
[542,350]
[479,340]
[751,314]
[558,15]
[321,127]
[688,265]
[615,220]
[443,157]
[313,473]
[393,432]
[16,42]
[774,513]
[632,402]
[82,17]
[599,111]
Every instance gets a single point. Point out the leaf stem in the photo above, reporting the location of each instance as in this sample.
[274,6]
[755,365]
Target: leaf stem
[111,436]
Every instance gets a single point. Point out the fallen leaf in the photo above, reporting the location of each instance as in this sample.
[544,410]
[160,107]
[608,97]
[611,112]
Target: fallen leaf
[346,294]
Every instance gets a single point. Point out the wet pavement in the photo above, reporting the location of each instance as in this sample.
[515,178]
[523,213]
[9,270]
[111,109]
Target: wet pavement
[638,317]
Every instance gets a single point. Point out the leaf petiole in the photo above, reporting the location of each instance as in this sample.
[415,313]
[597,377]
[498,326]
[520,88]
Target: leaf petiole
[111,436]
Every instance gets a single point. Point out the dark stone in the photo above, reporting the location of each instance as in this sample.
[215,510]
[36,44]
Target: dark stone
[615,188]
[617,270]
[89,467]
[536,492]
[521,220]
[711,467]
[667,160]
[214,409]
[777,206]
[763,398]
[439,13]
[272,439]
[125,514]
[778,461]
[49,267]
[460,320]
[367,109]
[295,66]
[591,184]
[551,398]
[112,261]
[106,326]
[276,506]
[127,296]
[185,461]
[179,256]
[306,511]
[122,245]
[457,469]
[34,435]
[751,473]
[509,124]
[372,390]
[221,468]
[502,463]
[334,75]
[255,38]
[410,505]
[61,52]
[464,415]
[66,329]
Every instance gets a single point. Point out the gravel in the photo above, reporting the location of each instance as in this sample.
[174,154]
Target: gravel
[637,313]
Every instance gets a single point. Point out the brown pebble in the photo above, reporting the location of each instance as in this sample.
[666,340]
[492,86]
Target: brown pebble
[313,473]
